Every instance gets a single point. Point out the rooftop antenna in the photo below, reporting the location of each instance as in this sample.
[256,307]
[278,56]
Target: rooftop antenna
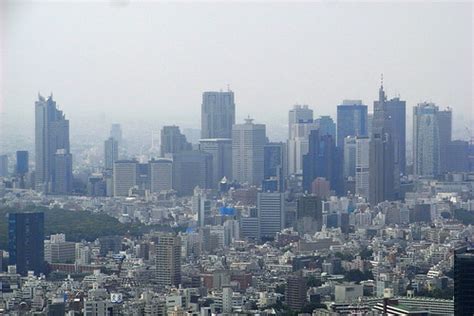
[228,87]
[381,79]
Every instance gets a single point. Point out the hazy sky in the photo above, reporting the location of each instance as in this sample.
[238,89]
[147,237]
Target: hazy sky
[153,60]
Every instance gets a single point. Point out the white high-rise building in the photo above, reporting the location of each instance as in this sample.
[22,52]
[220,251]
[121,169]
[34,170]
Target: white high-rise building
[248,141]
[161,175]
[271,213]
[362,163]
[201,206]
[349,156]
[125,176]
[426,145]
[298,145]
[299,114]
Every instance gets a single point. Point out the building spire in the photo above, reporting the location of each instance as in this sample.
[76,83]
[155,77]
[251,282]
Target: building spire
[381,91]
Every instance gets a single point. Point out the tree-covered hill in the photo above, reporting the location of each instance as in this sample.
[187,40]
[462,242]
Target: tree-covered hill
[77,225]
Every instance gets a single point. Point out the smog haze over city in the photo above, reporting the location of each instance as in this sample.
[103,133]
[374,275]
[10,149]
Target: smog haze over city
[201,158]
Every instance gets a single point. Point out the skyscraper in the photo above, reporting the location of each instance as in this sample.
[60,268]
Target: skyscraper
[299,114]
[161,175]
[362,167]
[116,132]
[217,114]
[320,160]
[445,123]
[458,156]
[248,141]
[190,169]
[298,145]
[396,124]
[463,281]
[221,151]
[271,214]
[62,172]
[351,120]
[326,125]
[3,165]
[349,156]
[384,171]
[426,143]
[22,162]
[125,176]
[51,134]
[172,141]
[274,165]
[26,241]
[110,152]
[381,168]
[168,260]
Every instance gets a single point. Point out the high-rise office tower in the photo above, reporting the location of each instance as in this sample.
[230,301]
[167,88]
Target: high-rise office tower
[426,144]
[298,145]
[463,281]
[349,156]
[351,120]
[172,141]
[248,141]
[168,260]
[396,124]
[320,160]
[62,172]
[124,176]
[116,132]
[110,152]
[458,156]
[326,125]
[3,165]
[299,114]
[274,163]
[26,242]
[51,134]
[384,174]
[143,177]
[445,123]
[221,151]
[22,162]
[217,114]
[271,214]
[381,168]
[362,166]
[191,169]
[161,175]
[309,214]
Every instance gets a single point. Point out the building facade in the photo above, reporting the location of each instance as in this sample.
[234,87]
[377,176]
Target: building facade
[217,114]
[248,141]
[26,242]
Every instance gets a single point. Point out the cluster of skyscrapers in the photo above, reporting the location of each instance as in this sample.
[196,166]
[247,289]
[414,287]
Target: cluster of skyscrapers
[364,153]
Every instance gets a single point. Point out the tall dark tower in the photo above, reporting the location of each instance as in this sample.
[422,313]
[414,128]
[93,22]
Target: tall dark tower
[463,281]
[26,241]
[320,161]
[384,173]
[51,135]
